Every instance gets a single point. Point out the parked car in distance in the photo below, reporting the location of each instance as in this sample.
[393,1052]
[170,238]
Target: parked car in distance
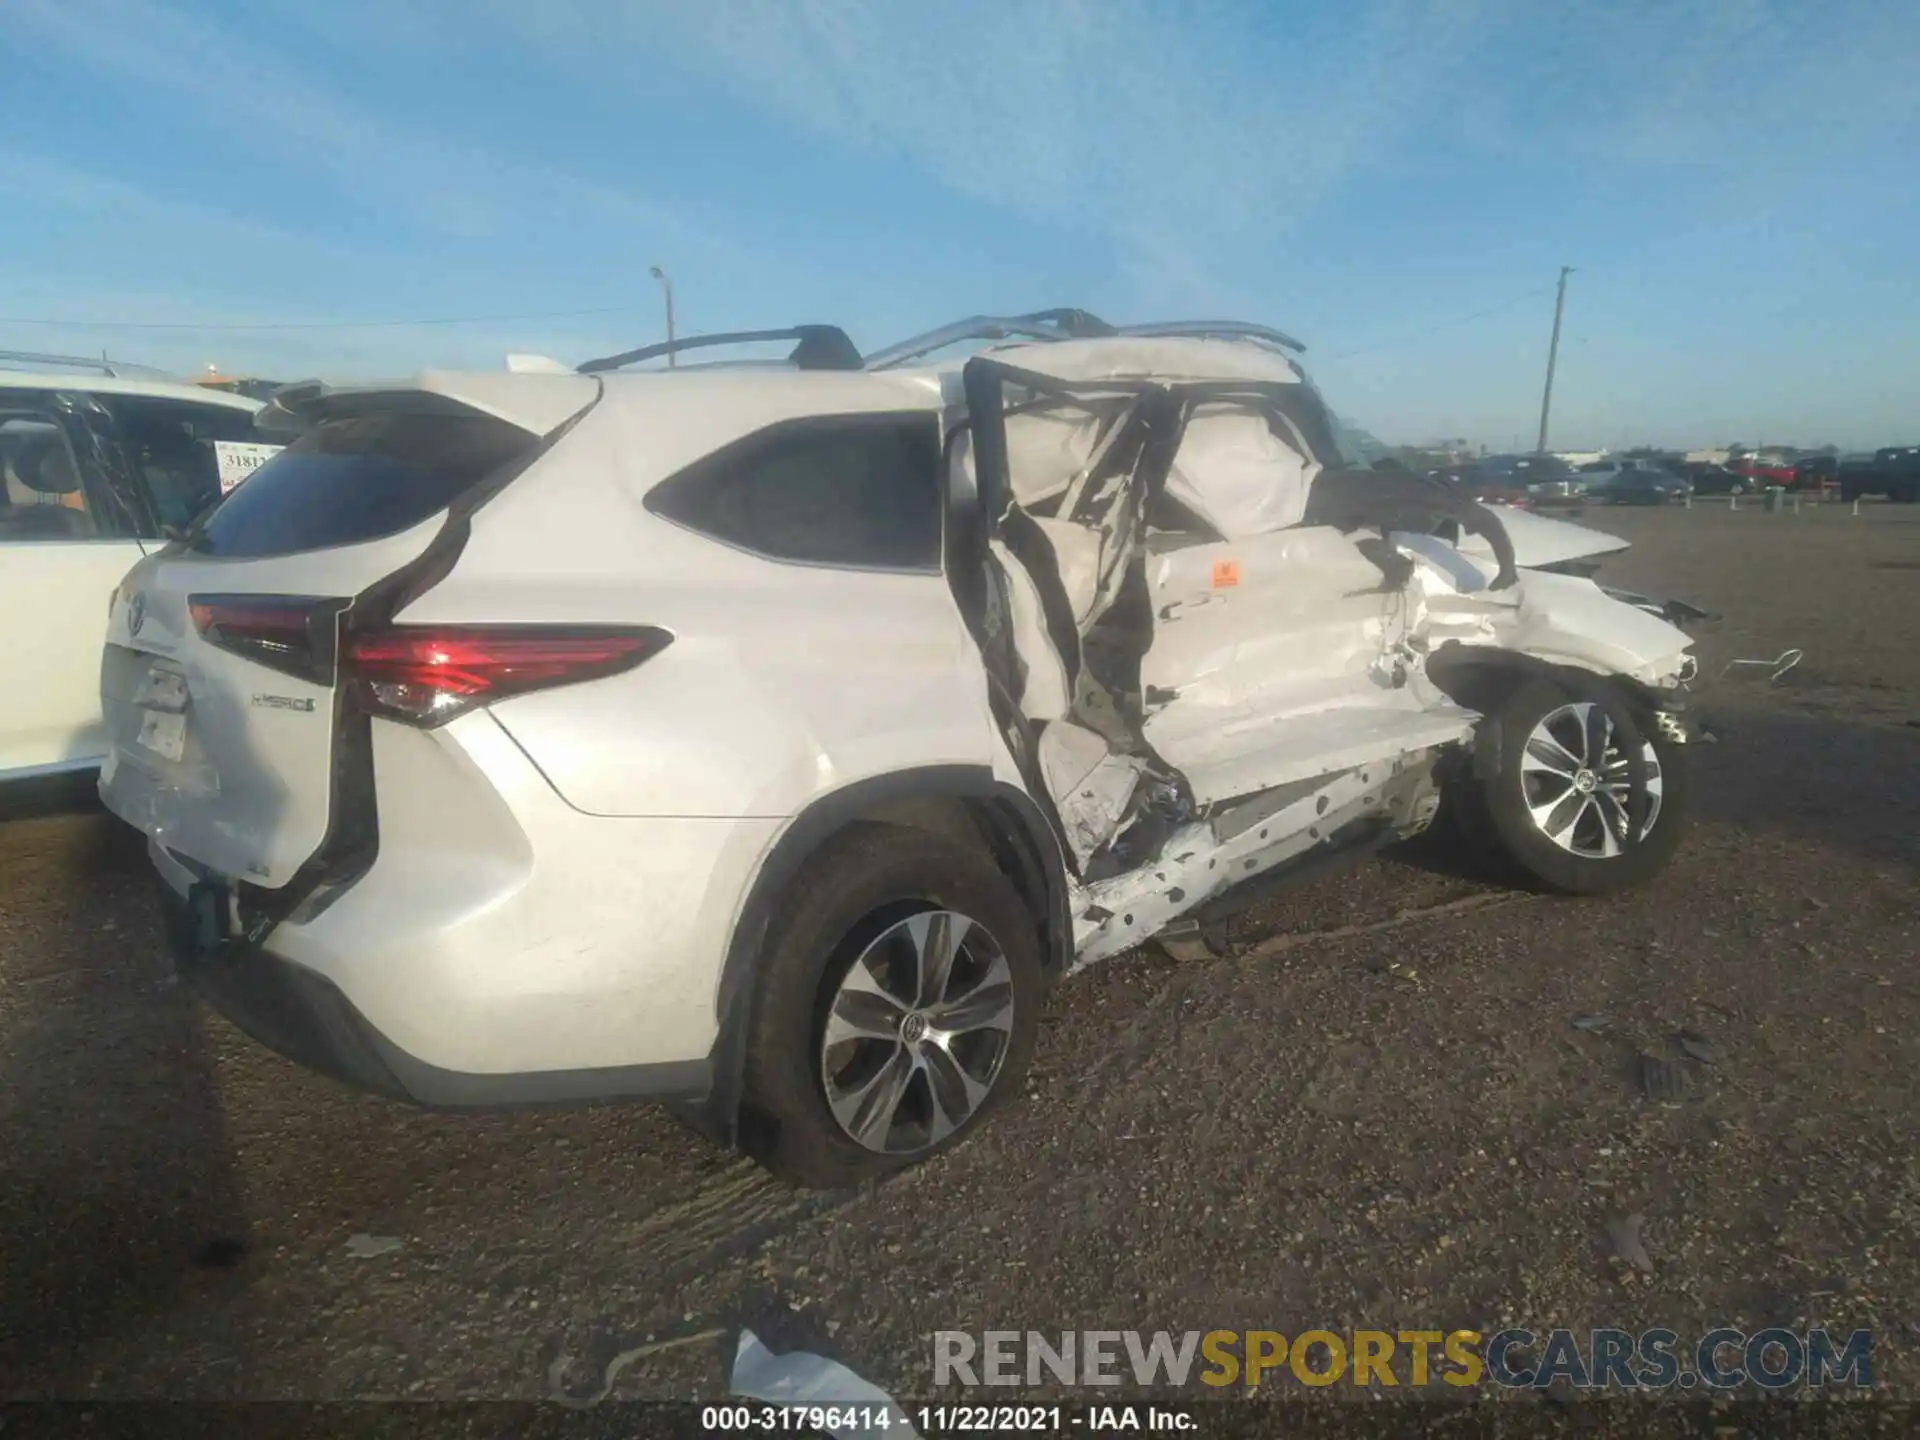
[1893,472]
[1650,486]
[99,469]
[1541,477]
[1709,479]
[1487,489]
[766,741]
[1763,471]
[1815,472]
[1632,482]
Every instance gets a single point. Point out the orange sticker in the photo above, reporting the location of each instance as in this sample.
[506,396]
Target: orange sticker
[1226,574]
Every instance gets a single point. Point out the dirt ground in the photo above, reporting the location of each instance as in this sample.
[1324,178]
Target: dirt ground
[1373,1113]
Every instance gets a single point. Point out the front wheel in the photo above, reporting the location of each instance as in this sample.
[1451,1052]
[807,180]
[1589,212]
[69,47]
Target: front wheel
[898,1003]
[1558,799]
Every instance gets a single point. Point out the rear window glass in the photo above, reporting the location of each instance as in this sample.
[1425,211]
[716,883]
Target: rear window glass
[860,490]
[361,478]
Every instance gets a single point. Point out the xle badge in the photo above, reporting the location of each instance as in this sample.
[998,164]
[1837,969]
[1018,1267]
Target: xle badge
[282,702]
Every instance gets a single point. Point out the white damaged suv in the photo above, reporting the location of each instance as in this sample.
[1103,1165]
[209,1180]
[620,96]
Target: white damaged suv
[765,739]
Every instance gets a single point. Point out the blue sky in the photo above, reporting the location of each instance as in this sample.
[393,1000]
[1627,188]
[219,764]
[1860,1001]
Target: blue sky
[1734,181]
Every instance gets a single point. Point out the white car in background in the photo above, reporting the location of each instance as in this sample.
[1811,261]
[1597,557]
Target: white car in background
[97,468]
[764,740]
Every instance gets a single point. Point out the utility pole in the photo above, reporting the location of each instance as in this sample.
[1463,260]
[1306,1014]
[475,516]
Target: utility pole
[1553,354]
[666,286]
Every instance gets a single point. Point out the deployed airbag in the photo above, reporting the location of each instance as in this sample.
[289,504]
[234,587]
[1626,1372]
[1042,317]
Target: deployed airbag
[1238,476]
[1047,448]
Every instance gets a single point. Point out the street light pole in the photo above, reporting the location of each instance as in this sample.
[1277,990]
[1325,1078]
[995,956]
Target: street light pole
[1553,354]
[666,287]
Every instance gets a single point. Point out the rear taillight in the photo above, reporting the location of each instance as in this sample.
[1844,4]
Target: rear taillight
[289,633]
[427,674]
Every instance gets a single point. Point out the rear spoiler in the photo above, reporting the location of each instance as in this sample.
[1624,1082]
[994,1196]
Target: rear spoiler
[820,347]
[537,403]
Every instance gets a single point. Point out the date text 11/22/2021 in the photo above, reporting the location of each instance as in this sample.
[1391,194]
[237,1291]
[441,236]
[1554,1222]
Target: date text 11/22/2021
[944,1419]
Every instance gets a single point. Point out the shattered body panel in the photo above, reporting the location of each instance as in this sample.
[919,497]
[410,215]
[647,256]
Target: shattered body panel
[1216,630]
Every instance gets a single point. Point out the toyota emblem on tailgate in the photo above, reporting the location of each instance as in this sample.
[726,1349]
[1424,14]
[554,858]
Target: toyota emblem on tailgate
[136,612]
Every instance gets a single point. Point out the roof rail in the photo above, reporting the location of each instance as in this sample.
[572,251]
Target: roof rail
[20,359]
[821,347]
[1061,324]
[1213,330]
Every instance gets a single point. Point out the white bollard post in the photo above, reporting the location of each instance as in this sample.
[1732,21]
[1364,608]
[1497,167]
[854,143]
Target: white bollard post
[1856,504]
[1733,501]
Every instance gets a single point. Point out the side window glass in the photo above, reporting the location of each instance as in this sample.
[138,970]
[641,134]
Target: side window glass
[44,497]
[862,491]
[187,456]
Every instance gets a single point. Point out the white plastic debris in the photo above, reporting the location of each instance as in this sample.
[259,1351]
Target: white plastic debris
[369,1247]
[1779,665]
[562,1362]
[802,1378]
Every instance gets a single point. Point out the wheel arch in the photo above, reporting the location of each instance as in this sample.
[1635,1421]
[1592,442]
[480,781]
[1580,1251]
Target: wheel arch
[962,802]
[1481,677]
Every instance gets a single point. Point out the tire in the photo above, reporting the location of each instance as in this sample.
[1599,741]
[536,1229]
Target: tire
[1586,859]
[881,886]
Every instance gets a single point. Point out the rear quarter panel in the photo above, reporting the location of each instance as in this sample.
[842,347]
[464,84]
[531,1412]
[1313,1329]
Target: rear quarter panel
[783,682]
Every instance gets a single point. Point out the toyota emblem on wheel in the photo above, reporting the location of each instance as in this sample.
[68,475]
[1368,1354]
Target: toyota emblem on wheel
[136,612]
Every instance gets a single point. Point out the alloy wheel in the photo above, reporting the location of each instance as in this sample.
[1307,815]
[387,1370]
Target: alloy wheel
[1575,781]
[916,1032]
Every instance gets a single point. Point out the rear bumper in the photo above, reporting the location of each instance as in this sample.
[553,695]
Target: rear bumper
[501,949]
[304,1016]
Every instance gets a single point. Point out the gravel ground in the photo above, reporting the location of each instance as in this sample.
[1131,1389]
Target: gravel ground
[1372,1113]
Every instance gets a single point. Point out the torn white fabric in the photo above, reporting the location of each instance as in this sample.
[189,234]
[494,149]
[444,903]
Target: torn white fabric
[1047,449]
[802,1378]
[1077,553]
[1048,694]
